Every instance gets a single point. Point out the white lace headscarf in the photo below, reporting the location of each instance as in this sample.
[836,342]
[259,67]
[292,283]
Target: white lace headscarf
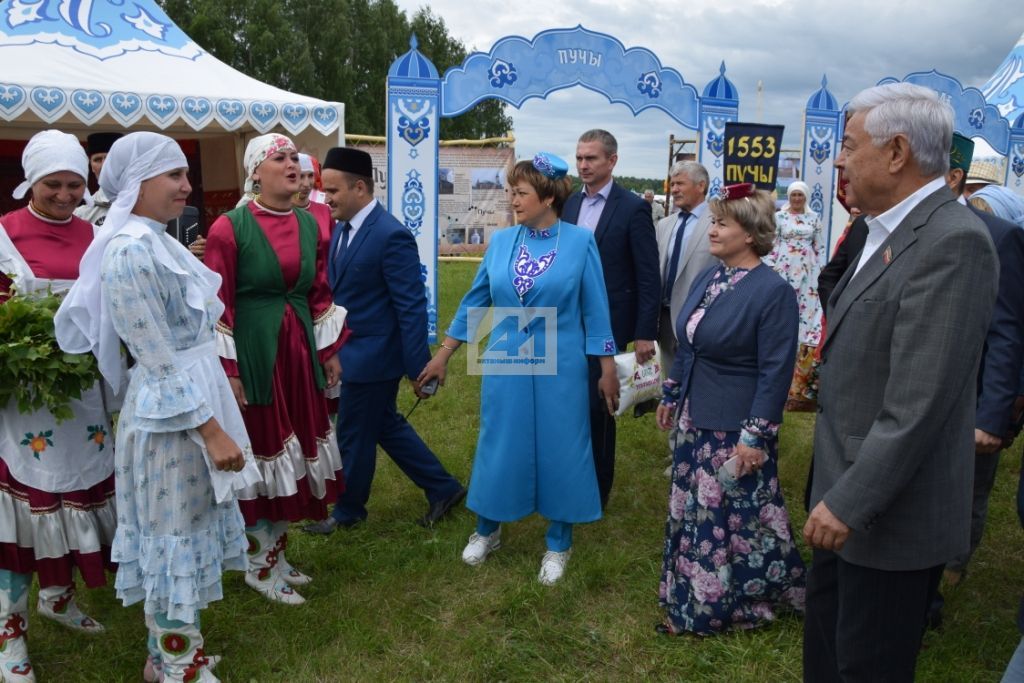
[51,151]
[257,151]
[82,322]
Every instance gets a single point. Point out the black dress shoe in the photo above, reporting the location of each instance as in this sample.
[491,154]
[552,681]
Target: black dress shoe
[441,508]
[662,629]
[326,527]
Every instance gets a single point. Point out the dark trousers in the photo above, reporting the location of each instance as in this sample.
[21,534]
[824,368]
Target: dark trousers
[864,624]
[368,416]
[602,434]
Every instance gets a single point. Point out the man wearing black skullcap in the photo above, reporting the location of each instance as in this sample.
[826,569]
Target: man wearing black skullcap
[97,145]
[374,272]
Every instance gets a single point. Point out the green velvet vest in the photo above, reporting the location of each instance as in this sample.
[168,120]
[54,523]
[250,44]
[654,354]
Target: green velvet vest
[260,298]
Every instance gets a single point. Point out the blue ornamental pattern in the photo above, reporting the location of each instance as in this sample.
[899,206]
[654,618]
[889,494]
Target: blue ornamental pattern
[649,84]
[413,119]
[1017,165]
[502,73]
[817,199]
[820,151]
[977,118]
[413,202]
[431,307]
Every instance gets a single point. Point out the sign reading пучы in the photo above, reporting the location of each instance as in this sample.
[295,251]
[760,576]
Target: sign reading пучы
[752,154]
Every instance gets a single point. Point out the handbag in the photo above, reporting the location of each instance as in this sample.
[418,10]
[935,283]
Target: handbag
[637,382]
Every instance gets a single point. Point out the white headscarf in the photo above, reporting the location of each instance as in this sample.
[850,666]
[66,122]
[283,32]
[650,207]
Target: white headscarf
[52,151]
[256,152]
[82,323]
[306,163]
[801,187]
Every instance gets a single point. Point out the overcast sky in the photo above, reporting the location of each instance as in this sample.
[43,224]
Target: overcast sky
[787,44]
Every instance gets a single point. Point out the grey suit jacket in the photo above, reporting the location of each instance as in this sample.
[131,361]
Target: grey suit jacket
[894,440]
[694,261]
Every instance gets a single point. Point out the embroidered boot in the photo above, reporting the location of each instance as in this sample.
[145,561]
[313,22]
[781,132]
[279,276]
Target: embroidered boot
[180,647]
[288,573]
[58,603]
[14,664]
[262,576]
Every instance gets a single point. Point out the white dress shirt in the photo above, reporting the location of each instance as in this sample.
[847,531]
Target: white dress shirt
[881,226]
[356,223]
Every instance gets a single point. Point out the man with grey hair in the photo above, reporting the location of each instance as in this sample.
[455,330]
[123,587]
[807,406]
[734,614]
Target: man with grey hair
[657,210]
[682,247]
[893,443]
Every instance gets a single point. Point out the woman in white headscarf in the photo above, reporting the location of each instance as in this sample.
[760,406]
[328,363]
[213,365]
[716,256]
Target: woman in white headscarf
[797,256]
[278,340]
[56,479]
[303,199]
[181,449]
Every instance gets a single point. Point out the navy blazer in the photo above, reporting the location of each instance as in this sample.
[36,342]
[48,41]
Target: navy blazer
[378,280]
[629,258]
[1003,354]
[740,363]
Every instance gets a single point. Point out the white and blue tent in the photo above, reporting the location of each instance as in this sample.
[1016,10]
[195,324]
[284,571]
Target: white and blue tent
[118,65]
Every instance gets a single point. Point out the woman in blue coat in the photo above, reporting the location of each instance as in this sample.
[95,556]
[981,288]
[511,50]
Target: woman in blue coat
[533,453]
[729,555]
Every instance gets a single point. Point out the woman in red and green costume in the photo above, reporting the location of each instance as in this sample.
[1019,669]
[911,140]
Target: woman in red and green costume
[278,341]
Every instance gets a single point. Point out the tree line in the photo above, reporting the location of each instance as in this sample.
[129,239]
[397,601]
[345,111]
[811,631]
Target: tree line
[337,50]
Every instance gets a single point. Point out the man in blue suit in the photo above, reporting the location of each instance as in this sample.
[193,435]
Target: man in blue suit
[624,231]
[374,271]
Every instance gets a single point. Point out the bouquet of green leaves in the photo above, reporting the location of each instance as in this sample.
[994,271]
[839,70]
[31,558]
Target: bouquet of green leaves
[34,372]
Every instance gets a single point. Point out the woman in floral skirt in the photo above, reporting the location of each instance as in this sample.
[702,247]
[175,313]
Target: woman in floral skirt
[730,557]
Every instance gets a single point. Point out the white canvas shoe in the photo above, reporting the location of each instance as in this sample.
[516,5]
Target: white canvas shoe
[65,611]
[479,547]
[552,566]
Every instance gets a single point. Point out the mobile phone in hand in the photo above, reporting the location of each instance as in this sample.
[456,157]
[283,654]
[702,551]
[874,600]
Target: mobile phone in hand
[429,387]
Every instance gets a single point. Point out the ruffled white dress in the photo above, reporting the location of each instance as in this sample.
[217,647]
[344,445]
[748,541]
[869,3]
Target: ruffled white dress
[178,522]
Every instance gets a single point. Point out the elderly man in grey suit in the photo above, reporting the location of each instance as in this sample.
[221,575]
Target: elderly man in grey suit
[682,247]
[893,444]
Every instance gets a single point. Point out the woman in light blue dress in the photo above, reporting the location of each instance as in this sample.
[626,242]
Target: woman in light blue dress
[533,453]
[181,448]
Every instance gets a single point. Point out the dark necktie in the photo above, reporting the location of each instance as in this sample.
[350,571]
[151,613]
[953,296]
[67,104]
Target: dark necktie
[673,258]
[346,230]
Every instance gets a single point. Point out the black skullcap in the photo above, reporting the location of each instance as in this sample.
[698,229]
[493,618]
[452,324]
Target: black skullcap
[100,143]
[349,160]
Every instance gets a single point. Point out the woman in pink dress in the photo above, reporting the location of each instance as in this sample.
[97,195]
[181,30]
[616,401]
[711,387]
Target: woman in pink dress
[278,340]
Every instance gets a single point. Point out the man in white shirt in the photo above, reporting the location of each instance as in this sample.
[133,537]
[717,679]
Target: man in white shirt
[894,439]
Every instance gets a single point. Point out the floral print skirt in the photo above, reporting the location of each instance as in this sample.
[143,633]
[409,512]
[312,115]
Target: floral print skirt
[730,559]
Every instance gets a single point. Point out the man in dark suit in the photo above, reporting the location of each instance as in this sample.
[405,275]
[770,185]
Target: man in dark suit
[1000,362]
[893,442]
[374,271]
[624,231]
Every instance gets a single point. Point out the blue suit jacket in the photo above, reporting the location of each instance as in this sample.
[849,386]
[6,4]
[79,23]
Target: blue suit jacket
[629,257]
[740,363]
[378,280]
[1000,369]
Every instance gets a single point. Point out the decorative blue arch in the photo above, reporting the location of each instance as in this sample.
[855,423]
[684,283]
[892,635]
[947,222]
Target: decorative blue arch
[517,69]
[973,116]
[820,142]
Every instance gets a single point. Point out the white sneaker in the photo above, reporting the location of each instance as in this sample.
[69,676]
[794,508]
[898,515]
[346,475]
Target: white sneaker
[273,588]
[479,547]
[552,566]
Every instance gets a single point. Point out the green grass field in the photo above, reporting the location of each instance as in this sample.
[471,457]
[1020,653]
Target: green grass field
[393,601]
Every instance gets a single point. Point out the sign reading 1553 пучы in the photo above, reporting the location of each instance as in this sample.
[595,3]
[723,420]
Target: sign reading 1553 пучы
[512,341]
[752,154]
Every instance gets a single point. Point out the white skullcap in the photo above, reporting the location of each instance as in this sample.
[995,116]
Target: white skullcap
[82,322]
[51,151]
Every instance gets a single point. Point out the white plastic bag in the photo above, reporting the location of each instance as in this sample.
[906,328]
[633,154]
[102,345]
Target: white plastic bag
[637,383]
